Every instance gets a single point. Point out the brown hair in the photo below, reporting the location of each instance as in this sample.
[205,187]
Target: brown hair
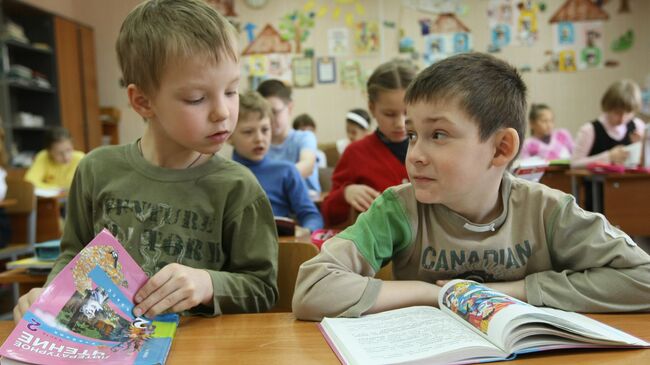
[157,32]
[252,102]
[275,88]
[304,120]
[56,135]
[489,90]
[392,75]
[622,95]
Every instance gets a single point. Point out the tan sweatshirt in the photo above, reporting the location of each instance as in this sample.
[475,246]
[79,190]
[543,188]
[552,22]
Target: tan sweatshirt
[570,258]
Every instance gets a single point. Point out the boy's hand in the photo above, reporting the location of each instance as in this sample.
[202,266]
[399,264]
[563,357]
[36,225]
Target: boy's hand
[618,155]
[360,196]
[174,288]
[25,302]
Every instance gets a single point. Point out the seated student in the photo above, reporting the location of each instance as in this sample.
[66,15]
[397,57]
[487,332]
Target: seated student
[304,122]
[375,162]
[464,216]
[298,147]
[280,179]
[54,167]
[357,126]
[198,224]
[602,140]
[545,141]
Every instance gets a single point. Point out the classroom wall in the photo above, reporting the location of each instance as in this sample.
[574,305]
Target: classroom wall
[575,97]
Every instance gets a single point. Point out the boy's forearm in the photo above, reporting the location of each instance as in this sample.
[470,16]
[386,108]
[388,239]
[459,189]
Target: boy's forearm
[400,294]
[516,289]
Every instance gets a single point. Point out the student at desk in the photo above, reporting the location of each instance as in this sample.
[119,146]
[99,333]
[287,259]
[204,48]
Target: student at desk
[5,226]
[464,216]
[54,167]
[183,213]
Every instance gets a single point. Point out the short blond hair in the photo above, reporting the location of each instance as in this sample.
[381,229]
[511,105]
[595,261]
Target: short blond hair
[158,32]
[253,102]
[623,95]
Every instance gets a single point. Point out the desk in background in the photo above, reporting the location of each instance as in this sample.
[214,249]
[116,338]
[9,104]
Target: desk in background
[277,338]
[626,198]
[25,280]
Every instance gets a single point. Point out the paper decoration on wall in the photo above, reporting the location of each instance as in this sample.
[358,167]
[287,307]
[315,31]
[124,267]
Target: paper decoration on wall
[436,6]
[326,70]
[303,72]
[578,35]
[623,6]
[351,77]
[645,101]
[366,38]
[225,7]
[295,27]
[448,36]
[267,41]
[406,43]
[338,41]
[425,26]
[342,9]
[250,31]
[512,23]
[279,67]
[624,42]
[256,65]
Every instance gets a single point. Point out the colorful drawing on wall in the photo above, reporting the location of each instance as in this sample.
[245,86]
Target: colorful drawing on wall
[267,41]
[256,65]
[425,26]
[326,70]
[303,72]
[527,22]
[448,36]
[250,31]
[436,6]
[366,38]
[225,7]
[518,18]
[341,9]
[295,27]
[501,35]
[406,44]
[566,33]
[578,35]
[567,60]
[624,42]
[279,67]
[338,41]
[351,77]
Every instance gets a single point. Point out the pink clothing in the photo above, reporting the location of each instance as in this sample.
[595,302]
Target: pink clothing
[587,135]
[560,146]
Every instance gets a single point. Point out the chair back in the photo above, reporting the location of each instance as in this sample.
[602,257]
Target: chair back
[290,256]
[325,178]
[22,215]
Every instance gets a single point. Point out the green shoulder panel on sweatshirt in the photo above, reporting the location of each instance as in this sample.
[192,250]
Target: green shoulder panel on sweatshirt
[381,231]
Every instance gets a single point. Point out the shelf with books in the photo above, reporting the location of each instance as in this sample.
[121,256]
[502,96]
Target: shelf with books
[27,47]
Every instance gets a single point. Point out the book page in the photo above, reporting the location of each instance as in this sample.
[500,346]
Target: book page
[406,334]
[86,316]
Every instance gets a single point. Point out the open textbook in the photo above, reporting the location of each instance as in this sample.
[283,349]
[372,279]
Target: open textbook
[85,315]
[474,324]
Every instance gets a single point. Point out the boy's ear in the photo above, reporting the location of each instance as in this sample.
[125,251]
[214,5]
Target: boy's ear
[506,146]
[139,101]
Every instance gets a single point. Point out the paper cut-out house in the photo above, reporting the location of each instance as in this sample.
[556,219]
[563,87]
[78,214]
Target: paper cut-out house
[267,41]
[578,11]
[448,23]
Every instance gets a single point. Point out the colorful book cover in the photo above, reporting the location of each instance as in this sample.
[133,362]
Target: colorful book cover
[86,316]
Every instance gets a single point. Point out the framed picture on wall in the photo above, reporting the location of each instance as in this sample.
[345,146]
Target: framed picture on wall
[326,70]
[303,72]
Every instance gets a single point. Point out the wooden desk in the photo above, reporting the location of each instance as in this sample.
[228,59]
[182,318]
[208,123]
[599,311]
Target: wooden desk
[24,280]
[277,338]
[626,201]
[556,177]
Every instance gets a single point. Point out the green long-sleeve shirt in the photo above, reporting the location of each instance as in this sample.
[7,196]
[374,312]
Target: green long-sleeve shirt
[214,217]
